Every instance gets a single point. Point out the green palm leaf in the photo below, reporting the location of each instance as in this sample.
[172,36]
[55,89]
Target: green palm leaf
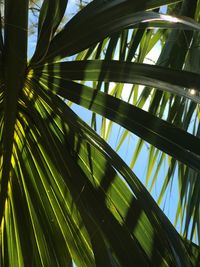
[66,197]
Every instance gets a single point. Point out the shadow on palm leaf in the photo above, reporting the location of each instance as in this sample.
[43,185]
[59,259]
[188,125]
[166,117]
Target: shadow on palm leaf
[85,183]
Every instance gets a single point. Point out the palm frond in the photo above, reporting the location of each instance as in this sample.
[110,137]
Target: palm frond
[66,197]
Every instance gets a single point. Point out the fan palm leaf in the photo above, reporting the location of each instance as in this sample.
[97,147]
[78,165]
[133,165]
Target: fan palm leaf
[66,197]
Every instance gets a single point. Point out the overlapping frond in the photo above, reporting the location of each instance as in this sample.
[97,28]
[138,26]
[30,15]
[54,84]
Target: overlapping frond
[66,196]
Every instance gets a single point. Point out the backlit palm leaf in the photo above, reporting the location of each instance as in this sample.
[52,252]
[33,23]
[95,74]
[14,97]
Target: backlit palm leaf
[66,196]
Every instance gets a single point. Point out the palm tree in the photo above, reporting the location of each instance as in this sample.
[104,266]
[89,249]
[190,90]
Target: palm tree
[66,196]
